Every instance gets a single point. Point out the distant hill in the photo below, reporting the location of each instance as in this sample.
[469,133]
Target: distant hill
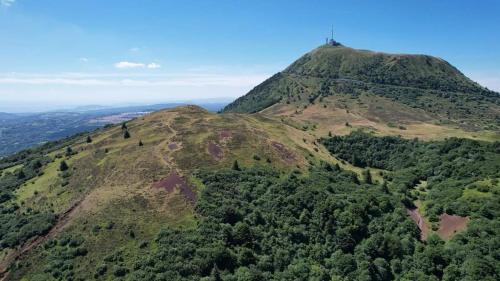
[377,87]
[21,131]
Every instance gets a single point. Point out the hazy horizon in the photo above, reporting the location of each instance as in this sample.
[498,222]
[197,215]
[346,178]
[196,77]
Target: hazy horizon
[19,108]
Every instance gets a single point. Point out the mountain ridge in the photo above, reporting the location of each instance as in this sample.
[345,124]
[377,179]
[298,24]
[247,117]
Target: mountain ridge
[416,82]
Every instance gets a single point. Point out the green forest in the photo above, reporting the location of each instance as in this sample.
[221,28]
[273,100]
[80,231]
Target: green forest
[451,169]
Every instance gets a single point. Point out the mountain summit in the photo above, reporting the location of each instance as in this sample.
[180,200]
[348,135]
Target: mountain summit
[419,71]
[429,88]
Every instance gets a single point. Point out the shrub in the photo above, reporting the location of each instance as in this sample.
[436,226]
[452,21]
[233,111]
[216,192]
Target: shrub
[100,270]
[483,188]
[120,271]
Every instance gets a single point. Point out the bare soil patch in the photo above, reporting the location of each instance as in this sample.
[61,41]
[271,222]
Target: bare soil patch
[215,151]
[451,224]
[173,181]
[225,135]
[420,222]
[172,146]
[285,154]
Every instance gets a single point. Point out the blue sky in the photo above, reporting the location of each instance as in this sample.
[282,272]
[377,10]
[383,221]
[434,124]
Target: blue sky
[68,53]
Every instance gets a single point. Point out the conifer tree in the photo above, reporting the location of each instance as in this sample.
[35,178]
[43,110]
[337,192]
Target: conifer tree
[63,166]
[385,188]
[367,176]
[236,166]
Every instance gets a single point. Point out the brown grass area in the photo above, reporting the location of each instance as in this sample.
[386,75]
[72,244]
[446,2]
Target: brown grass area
[451,224]
[375,114]
[225,135]
[175,181]
[284,153]
[215,151]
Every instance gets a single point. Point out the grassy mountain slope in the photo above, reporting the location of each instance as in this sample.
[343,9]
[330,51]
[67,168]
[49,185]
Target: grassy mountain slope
[335,85]
[109,185]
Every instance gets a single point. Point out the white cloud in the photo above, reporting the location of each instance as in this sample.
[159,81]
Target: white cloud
[7,3]
[134,49]
[137,80]
[127,65]
[153,65]
[84,60]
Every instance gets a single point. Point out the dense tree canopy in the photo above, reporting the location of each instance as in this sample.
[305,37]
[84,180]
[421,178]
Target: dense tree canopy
[450,168]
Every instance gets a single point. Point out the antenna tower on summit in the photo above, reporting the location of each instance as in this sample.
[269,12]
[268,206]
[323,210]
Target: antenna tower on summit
[332,41]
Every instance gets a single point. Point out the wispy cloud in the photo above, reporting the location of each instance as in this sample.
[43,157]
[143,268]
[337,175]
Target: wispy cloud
[130,65]
[153,65]
[127,65]
[133,86]
[7,3]
[84,60]
[117,79]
